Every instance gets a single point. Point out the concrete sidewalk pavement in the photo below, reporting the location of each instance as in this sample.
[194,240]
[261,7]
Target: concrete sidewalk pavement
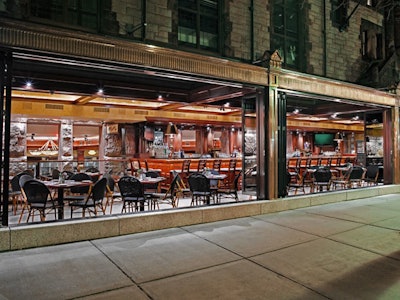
[346,250]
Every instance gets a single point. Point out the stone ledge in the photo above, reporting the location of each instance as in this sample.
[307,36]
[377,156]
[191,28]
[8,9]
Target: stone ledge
[39,235]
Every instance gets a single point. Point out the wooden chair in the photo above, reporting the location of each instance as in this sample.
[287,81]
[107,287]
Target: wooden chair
[111,193]
[201,166]
[169,197]
[230,190]
[216,165]
[135,166]
[297,183]
[185,171]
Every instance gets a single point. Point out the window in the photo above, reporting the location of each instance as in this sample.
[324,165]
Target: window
[339,14]
[286,31]
[371,41]
[198,24]
[81,13]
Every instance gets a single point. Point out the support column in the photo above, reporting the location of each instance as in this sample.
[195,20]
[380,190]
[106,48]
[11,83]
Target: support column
[396,140]
[65,146]
[5,120]
[272,127]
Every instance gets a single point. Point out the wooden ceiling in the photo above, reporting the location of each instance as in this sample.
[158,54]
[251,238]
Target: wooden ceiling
[138,88]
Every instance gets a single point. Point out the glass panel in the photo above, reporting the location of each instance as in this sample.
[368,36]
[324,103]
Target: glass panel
[278,18]
[89,6]
[249,147]
[198,23]
[291,53]
[89,21]
[44,9]
[187,27]
[191,4]
[208,32]
[209,7]
[292,23]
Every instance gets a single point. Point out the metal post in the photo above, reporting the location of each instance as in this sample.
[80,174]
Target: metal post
[5,120]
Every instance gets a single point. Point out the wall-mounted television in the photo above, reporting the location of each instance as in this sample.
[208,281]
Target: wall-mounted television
[323,139]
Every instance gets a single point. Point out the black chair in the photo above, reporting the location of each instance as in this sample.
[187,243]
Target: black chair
[95,173]
[67,174]
[344,180]
[79,193]
[111,193]
[132,194]
[169,197]
[15,193]
[371,175]
[93,200]
[38,198]
[24,178]
[356,176]
[230,191]
[92,170]
[55,174]
[151,188]
[322,178]
[200,188]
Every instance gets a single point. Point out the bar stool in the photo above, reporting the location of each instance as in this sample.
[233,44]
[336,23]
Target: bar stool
[201,165]
[185,172]
[217,165]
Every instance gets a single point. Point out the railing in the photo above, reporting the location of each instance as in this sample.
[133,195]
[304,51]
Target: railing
[44,168]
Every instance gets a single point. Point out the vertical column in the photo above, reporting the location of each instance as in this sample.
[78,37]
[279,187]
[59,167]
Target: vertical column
[5,120]
[111,148]
[396,144]
[272,138]
[18,158]
[282,145]
[65,146]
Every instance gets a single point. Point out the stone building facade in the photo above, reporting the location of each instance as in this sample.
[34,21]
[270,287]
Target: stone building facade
[246,28]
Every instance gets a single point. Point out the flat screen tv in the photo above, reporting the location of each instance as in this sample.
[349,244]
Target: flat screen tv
[323,139]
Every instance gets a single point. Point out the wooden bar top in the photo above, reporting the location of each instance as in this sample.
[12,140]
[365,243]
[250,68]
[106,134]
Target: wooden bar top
[166,165]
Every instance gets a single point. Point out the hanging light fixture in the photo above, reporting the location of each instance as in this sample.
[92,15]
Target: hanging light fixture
[171,129]
[49,148]
[338,137]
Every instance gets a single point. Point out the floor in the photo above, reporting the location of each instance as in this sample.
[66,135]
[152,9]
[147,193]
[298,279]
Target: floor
[346,250]
[116,209]
[117,206]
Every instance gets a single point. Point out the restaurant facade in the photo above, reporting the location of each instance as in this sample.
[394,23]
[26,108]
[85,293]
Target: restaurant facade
[105,91]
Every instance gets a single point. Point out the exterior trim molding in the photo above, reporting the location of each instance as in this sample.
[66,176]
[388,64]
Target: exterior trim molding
[128,52]
[27,36]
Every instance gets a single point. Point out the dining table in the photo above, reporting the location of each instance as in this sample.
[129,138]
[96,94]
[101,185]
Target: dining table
[150,181]
[61,187]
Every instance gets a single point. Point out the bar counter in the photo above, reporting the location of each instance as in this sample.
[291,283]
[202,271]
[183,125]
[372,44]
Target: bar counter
[320,160]
[167,165]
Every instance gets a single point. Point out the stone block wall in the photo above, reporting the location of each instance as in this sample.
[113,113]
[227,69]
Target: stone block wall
[343,49]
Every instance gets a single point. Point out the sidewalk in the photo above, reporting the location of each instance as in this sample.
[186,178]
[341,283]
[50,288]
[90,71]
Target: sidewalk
[346,250]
